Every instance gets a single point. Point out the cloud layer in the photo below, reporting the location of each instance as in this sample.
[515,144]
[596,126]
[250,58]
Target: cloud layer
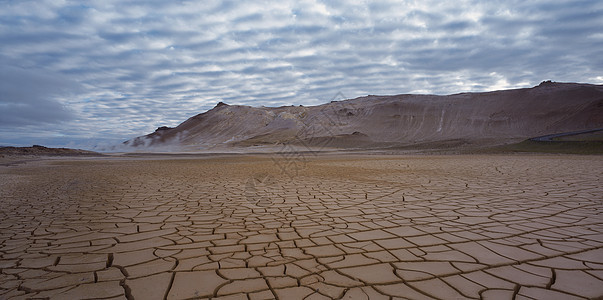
[105,71]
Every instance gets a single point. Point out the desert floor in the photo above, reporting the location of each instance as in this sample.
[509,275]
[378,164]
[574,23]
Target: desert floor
[300,226]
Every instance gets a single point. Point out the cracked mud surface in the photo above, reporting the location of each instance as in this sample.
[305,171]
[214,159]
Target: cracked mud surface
[356,227]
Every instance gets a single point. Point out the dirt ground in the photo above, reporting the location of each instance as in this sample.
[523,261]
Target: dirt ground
[299,226]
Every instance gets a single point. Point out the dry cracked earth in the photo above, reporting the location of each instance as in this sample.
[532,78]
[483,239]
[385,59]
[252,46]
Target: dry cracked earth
[303,227]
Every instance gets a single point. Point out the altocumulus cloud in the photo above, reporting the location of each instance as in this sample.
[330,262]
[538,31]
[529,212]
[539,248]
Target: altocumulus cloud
[80,73]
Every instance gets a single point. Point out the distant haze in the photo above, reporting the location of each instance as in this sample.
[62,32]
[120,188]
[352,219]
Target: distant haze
[86,73]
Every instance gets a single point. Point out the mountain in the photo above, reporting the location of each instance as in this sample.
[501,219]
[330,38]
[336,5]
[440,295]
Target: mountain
[45,151]
[490,118]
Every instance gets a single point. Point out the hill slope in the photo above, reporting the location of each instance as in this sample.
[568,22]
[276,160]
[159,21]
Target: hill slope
[393,121]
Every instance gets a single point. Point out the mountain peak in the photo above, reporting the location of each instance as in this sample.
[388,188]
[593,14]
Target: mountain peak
[547,83]
[220,104]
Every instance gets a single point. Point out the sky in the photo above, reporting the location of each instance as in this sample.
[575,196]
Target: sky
[89,74]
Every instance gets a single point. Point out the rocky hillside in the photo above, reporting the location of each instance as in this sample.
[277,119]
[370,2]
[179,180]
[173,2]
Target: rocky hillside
[490,118]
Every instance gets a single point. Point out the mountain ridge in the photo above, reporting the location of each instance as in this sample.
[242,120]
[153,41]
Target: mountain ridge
[481,118]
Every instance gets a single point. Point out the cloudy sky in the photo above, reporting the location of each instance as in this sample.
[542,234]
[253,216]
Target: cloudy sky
[85,73]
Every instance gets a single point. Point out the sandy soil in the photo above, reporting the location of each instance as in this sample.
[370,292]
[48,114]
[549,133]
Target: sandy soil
[294,227]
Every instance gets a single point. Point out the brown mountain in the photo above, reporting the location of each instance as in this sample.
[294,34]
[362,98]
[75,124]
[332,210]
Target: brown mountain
[45,151]
[490,118]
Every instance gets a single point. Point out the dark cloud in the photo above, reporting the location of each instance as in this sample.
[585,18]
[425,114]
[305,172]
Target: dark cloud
[112,69]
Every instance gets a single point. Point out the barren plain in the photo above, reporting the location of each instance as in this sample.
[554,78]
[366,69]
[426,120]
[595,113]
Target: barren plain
[301,226]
